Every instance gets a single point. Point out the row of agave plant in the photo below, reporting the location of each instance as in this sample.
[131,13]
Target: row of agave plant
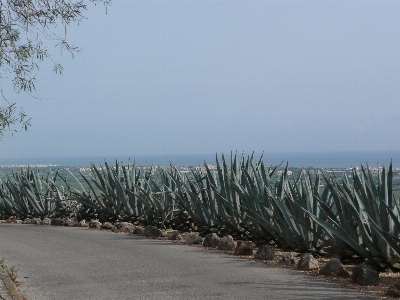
[29,193]
[357,220]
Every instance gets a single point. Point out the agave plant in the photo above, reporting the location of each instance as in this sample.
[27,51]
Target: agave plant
[195,194]
[187,194]
[159,205]
[365,217]
[90,198]
[121,193]
[28,193]
[211,198]
[239,193]
[302,195]
[226,196]
[276,209]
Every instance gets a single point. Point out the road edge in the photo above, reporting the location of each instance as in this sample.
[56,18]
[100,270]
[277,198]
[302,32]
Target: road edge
[8,290]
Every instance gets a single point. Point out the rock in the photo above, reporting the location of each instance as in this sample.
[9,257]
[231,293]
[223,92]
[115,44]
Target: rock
[138,230]
[265,252]
[36,221]
[95,224]
[71,223]
[394,290]
[193,238]
[307,262]
[57,222]
[179,237]
[83,223]
[107,226]
[211,240]
[28,221]
[12,220]
[152,231]
[365,275]
[227,243]
[172,235]
[244,248]
[288,258]
[334,268]
[124,227]
[46,221]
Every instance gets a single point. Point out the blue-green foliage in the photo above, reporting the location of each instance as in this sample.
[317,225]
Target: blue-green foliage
[29,193]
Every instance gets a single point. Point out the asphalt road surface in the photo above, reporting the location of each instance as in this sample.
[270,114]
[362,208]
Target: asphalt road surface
[75,263]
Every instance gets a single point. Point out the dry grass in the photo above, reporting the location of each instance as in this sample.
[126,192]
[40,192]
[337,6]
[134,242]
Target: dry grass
[11,271]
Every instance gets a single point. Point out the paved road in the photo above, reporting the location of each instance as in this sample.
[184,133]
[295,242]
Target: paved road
[74,263]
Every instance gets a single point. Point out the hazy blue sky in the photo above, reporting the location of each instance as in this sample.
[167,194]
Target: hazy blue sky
[164,77]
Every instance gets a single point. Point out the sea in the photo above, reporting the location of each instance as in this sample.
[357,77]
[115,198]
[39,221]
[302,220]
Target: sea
[295,160]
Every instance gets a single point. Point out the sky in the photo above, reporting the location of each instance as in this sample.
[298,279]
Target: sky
[190,77]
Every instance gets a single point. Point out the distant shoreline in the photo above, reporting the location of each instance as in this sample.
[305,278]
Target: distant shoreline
[295,160]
